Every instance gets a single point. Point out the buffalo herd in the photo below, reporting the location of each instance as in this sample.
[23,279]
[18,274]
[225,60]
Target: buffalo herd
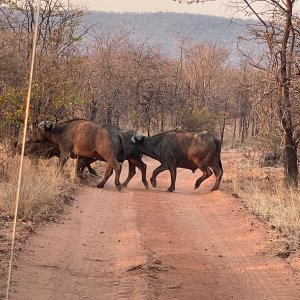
[88,141]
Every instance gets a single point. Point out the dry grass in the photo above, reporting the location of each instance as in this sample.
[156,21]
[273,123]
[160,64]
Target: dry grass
[43,194]
[263,192]
[41,191]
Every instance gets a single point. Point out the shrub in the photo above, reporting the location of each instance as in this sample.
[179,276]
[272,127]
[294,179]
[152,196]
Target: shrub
[40,191]
[199,119]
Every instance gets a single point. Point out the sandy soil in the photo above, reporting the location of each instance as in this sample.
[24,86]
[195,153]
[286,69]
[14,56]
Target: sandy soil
[151,244]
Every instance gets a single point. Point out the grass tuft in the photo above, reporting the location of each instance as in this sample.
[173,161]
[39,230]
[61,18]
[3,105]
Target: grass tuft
[41,188]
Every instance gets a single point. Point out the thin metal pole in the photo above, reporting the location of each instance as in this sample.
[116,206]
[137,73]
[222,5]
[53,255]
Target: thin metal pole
[23,146]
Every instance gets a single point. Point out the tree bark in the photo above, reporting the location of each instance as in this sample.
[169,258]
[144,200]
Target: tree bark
[290,165]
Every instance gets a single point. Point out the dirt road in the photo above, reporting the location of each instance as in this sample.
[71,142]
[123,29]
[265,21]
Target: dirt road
[151,244]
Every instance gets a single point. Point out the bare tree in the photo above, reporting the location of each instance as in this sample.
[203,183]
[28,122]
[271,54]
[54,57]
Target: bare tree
[277,31]
[55,91]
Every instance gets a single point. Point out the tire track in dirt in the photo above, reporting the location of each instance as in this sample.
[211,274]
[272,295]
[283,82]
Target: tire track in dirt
[152,244]
[217,264]
[215,247]
[87,256]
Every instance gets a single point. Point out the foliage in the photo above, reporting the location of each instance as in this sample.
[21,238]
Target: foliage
[272,141]
[198,119]
[55,89]
[113,78]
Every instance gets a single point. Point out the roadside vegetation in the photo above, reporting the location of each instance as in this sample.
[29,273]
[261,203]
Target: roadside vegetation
[262,190]
[43,189]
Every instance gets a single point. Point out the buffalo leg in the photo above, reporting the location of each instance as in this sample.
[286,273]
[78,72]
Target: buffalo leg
[80,165]
[107,174]
[206,173]
[84,162]
[173,179]
[131,173]
[143,168]
[157,171]
[218,171]
[110,166]
[91,170]
[132,163]
[117,167]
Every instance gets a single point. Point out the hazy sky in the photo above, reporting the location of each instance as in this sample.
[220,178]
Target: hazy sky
[215,8]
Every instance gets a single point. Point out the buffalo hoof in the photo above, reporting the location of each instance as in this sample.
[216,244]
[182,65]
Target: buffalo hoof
[197,184]
[170,190]
[153,182]
[119,187]
[214,189]
[146,184]
[100,185]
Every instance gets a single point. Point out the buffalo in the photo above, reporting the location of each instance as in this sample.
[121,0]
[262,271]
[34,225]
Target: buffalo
[47,150]
[80,138]
[179,149]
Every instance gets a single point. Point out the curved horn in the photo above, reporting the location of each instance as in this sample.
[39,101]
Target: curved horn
[44,125]
[41,125]
[134,135]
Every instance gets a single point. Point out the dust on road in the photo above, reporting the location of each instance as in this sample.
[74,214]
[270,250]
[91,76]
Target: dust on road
[151,244]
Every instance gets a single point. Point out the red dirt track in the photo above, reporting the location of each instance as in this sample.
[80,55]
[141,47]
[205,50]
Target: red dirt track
[152,244]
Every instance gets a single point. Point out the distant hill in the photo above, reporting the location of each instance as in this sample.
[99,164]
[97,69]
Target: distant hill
[161,29]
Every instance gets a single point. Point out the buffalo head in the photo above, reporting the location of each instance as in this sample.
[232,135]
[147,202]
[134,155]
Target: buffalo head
[44,129]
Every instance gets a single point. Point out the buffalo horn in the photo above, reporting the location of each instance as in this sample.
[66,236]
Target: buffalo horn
[44,125]
[134,136]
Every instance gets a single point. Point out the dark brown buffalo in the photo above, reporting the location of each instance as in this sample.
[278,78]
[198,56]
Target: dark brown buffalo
[47,150]
[188,150]
[134,158]
[81,138]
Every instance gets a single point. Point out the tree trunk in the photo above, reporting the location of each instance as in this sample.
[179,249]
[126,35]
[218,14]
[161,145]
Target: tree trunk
[161,118]
[223,130]
[94,111]
[253,127]
[289,153]
[285,106]
[290,165]
[234,132]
